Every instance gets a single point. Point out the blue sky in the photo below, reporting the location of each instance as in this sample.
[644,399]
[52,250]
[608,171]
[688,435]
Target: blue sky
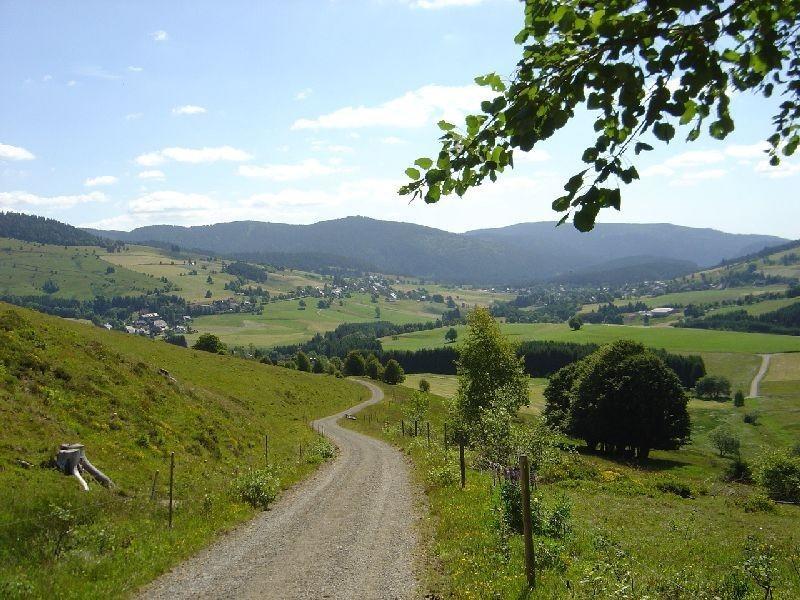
[121,114]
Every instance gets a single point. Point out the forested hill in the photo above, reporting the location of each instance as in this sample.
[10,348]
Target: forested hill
[32,228]
[516,254]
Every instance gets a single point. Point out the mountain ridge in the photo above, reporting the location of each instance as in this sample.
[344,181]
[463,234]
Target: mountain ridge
[516,254]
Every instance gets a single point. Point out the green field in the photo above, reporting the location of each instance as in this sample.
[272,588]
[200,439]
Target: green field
[446,386]
[629,538]
[669,338]
[284,323]
[80,272]
[758,308]
[159,263]
[62,381]
[468,295]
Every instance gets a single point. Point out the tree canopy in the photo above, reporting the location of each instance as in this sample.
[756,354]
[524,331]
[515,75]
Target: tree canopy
[622,396]
[646,69]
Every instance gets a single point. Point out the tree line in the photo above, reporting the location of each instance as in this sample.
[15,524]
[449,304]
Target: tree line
[784,321]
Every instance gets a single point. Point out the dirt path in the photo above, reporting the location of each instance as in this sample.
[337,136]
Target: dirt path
[762,371]
[347,532]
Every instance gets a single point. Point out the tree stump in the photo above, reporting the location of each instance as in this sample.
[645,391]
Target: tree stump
[71,460]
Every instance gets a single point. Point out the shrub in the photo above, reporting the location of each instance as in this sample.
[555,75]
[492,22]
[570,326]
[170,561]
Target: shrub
[751,418]
[303,363]
[757,503]
[321,450]
[738,470]
[354,364]
[673,486]
[393,373]
[208,342]
[424,386]
[441,472]
[779,473]
[257,487]
[713,386]
[738,399]
[726,441]
[552,522]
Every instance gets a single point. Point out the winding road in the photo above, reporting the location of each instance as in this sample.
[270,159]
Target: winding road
[347,532]
[762,371]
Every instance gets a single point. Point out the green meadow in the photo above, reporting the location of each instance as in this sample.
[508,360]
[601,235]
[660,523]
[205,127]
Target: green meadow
[80,272]
[669,338]
[62,381]
[286,322]
[631,535]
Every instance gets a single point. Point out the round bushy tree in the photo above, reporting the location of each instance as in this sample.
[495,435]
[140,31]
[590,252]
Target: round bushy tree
[393,373]
[374,368]
[303,363]
[208,342]
[354,364]
[627,398]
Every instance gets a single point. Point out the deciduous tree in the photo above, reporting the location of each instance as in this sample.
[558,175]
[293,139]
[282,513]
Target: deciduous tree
[646,70]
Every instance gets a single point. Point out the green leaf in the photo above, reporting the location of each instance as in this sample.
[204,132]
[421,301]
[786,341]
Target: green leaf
[424,162]
[574,183]
[641,147]
[690,109]
[561,204]
[664,131]
[445,126]
[412,173]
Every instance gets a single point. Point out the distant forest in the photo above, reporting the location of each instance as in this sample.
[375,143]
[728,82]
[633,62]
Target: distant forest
[32,228]
[784,321]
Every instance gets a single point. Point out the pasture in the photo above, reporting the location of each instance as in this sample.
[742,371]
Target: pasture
[284,322]
[80,272]
[628,530]
[669,338]
[178,269]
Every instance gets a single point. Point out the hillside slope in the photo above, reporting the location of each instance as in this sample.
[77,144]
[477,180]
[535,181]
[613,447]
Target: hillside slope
[62,381]
[516,254]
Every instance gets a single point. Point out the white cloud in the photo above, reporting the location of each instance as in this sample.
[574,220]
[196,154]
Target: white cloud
[193,155]
[96,72]
[694,177]
[47,78]
[160,35]
[303,94]
[188,109]
[695,158]
[322,146]
[133,116]
[392,140]
[303,170]
[437,4]
[755,151]
[413,109]
[20,199]
[135,69]
[784,169]
[154,174]
[8,152]
[167,201]
[656,171]
[533,156]
[71,83]
[101,180]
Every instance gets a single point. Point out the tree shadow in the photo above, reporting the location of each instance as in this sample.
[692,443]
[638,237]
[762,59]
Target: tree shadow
[654,465]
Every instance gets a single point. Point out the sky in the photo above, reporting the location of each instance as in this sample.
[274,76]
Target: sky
[123,114]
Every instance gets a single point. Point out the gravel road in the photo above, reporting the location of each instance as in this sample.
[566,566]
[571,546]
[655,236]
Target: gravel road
[348,532]
[762,371]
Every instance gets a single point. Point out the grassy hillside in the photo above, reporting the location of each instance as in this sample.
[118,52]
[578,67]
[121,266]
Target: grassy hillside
[631,535]
[672,339]
[160,263]
[284,322]
[80,272]
[67,382]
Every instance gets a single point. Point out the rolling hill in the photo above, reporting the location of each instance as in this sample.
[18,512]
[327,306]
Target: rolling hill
[132,402]
[517,254]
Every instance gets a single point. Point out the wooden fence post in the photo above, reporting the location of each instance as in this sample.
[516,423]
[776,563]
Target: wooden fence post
[527,530]
[463,464]
[153,487]
[171,484]
[416,423]
[403,427]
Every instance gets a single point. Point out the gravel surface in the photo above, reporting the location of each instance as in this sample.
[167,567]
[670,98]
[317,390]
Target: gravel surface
[762,371]
[347,532]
